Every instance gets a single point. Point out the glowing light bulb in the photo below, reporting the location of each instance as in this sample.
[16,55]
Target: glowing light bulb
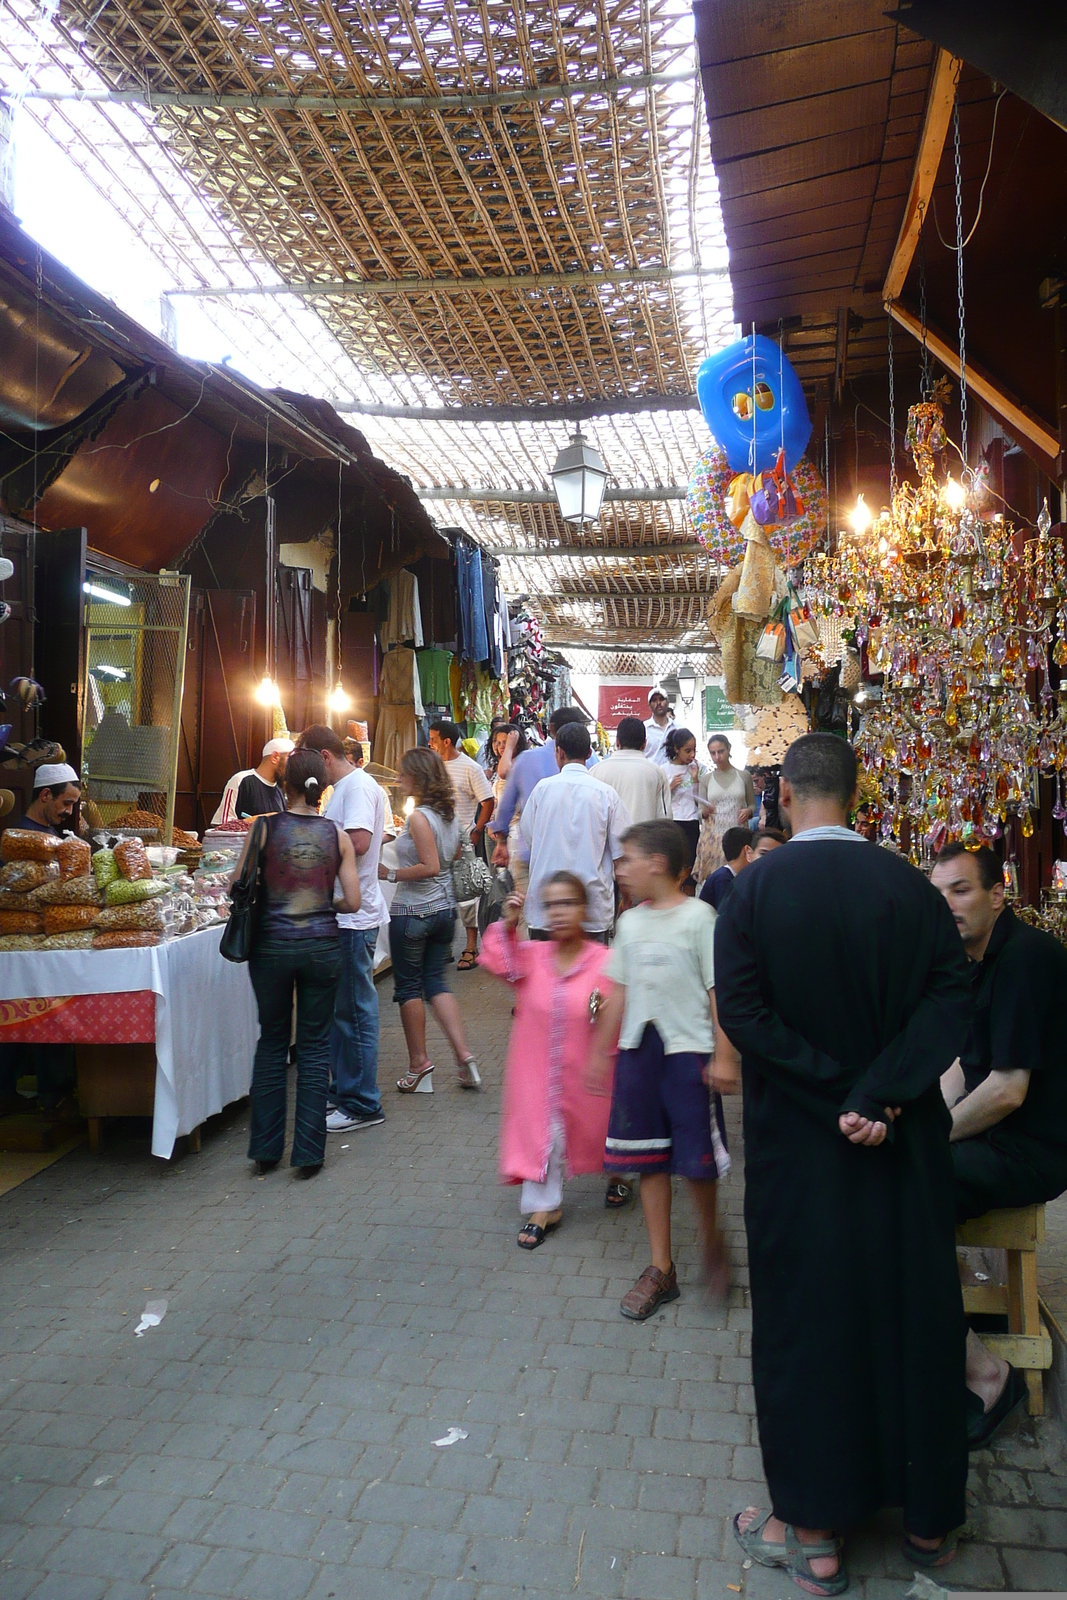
[954,494]
[267,692]
[860,516]
[337,700]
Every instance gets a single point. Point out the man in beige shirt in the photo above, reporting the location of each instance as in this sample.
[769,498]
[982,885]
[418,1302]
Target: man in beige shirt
[643,786]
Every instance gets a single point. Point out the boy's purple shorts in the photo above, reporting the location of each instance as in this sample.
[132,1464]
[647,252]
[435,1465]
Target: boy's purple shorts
[661,1114]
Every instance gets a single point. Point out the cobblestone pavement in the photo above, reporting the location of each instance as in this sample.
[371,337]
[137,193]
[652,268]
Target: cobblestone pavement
[273,1436]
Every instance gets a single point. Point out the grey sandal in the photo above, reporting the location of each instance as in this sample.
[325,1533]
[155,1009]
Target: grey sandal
[793,1556]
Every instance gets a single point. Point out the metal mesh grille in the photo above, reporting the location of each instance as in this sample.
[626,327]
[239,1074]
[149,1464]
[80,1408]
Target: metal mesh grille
[136,627]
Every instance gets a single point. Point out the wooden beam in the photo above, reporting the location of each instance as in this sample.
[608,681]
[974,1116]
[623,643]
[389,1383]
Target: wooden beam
[840,354]
[931,143]
[567,411]
[339,103]
[545,497]
[1016,416]
[599,552]
[375,288]
[626,649]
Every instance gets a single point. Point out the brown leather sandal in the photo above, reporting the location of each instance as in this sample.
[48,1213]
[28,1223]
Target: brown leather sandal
[652,1290]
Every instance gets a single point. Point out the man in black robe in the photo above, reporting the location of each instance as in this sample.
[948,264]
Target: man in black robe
[841,979]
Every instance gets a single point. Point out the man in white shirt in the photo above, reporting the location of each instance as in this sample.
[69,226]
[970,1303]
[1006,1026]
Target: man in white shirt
[574,823]
[474,807]
[358,806]
[658,726]
[643,786]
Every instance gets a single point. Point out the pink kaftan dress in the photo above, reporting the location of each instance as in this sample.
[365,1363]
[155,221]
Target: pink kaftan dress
[544,1077]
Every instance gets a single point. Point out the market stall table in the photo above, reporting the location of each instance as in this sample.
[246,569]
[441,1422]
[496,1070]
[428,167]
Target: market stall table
[197,1010]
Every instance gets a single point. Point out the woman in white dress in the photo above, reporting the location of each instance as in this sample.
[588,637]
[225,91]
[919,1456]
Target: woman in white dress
[731,799]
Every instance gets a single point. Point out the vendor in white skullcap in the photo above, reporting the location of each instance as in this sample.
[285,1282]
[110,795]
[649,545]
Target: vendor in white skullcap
[257,790]
[56,791]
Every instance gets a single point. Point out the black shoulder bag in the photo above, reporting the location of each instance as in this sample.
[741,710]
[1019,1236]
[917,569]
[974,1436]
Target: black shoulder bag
[239,935]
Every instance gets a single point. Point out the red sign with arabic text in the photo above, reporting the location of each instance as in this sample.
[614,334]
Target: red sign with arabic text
[618,700]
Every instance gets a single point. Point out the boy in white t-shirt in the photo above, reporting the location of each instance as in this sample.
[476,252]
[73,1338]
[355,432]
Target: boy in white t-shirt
[664,1119]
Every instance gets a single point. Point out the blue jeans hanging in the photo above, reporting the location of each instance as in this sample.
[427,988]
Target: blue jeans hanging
[474,645]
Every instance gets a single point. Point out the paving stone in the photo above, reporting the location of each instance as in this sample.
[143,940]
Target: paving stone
[64,1586]
[1036,1569]
[274,1437]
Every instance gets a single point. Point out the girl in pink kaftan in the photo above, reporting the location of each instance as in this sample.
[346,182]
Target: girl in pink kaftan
[551,1124]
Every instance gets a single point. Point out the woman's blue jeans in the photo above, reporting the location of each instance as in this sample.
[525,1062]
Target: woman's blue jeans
[313,966]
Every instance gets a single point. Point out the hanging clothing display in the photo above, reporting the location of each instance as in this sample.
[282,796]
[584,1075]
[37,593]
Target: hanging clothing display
[434,679]
[473,639]
[478,697]
[403,624]
[399,707]
[494,654]
[437,597]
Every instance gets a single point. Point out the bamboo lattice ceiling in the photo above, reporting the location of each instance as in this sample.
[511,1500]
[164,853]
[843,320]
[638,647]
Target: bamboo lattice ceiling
[608,178]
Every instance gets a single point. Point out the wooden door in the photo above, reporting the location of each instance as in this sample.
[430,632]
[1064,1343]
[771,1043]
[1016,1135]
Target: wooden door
[295,653]
[59,635]
[221,721]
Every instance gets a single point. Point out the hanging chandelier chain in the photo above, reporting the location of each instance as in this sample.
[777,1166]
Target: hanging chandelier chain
[959,271]
[927,388]
[892,415]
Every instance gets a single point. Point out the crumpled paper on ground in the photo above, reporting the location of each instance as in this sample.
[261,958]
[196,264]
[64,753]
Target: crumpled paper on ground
[453,1436]
[151,1316]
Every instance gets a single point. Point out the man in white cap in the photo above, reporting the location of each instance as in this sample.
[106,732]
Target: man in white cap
[256,790]
[658,726]
[56,791]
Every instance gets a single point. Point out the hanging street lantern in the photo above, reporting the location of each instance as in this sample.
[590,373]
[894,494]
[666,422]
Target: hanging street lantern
[579,477]
[687,681]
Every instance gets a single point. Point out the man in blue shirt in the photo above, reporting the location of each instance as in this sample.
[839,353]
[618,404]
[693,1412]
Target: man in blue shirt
[526,773]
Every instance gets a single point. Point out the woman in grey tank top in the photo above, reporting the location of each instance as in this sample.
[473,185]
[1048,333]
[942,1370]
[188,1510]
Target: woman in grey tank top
[422,921]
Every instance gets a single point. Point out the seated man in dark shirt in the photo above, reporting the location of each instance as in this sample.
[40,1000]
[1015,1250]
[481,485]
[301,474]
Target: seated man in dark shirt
[1008,1090]
[261,791]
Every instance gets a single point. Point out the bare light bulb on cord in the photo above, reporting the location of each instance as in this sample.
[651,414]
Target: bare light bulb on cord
[267,692]
[954,494]
[338,700]
[860,516]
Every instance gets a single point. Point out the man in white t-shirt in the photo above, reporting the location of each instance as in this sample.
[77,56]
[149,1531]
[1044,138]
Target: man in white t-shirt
[658,726]
[474,807]
[358,806]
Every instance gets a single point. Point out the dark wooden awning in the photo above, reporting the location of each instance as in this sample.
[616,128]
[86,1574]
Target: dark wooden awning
[832,139]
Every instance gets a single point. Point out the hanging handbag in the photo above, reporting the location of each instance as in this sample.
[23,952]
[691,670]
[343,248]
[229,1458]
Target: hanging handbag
[239,935]
[771,646]
[470,875]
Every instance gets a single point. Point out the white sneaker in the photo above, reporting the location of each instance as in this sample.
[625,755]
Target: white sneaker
[341,1122]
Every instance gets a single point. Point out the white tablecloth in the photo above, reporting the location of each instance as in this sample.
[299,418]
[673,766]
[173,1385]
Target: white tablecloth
[206,1020]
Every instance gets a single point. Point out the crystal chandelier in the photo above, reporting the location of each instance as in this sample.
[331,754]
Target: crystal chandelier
[960,613]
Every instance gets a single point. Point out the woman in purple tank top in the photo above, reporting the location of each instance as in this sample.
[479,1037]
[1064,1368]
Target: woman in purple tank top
[297,947]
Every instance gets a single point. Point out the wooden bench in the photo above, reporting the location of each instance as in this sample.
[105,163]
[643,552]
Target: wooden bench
[1026,1344]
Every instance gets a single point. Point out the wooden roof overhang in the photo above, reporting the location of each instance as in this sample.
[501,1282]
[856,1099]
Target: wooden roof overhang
[106,426]
[831,135]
